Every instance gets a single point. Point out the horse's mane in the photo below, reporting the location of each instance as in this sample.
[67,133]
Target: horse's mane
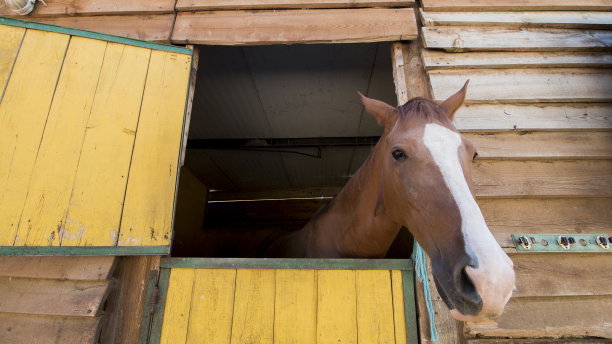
[422,108]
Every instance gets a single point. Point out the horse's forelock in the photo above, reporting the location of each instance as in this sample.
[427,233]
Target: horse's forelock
[422,108]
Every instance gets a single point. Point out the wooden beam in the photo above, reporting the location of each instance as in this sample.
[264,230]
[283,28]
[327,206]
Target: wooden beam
[566,20]
[62,268]
[461,38]
[442,60]
[295,26]
[27,328]
[520,5]
[195,5]
[93,7]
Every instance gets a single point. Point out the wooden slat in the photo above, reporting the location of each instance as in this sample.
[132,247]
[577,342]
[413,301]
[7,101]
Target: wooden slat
[399,317]
[303,26]
[578,340]
[22,328]
[544,275]
[525,85]
[546,216]
[70,8]
[543,145]
[178,306]
[458,38]
[374,306]
[337,307]
[520,5]
[149,199]
[582,19]
[52,297]
[442,60]
[253,320]
[543,178]
[550,317]
[212,306]
[37,67]
[155,28]
[10,41]
[295,315]
[44,212]
[191,5]
[62,268]
[575,116]
[97,195]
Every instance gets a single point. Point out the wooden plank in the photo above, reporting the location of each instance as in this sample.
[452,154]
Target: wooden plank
[374,307]
[253,320]
[550,317]
[149,200]
[155,28]
[566,19]
[337,307]
[195,60]
[101,177]
[10,42]
[52,297]
[212,306]
[525,85]
[289,263]
[70,8]
[543,145]
[459,38]
[37,67]
[442,60]
[27,328]
[546,216]
[572,116]
[298,26]
[295,307]
[399,317]
[537,341]
[61,268]
[43,215]
[520,5]
[545,275]
[194,5]
[178,306]
[542,178]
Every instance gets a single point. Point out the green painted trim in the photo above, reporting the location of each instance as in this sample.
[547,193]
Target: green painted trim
[554,247]
[412,334]
[83,250]
[145,326]
[94,35]
[158,315]
[288,263]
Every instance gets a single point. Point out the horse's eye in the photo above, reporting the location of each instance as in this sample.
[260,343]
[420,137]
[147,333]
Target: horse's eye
[475,155]
[399,155]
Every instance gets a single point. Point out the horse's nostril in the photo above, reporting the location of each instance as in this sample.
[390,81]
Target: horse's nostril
[467,289]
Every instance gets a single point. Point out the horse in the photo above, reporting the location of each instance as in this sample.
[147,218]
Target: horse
[417,176]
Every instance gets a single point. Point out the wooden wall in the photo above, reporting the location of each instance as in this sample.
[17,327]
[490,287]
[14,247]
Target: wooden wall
[538,108]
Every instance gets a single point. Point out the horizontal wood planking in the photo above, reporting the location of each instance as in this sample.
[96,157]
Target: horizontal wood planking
[519,5]
[156,28]
[550,317]
[553,116]
[546,216]
[563,178]
[190,5]
[434,59]
[562,274]
[466,38]
[26,328]
[525,85]
[543,145]
[61,268]
[52,297]
[297,26]
[94,7]
[567,19]
[578,340]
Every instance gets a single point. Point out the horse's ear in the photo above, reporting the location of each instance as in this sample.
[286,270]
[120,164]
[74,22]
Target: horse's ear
[454,102]
[385,114]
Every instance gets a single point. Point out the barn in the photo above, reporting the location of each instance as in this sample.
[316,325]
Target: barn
[165,139]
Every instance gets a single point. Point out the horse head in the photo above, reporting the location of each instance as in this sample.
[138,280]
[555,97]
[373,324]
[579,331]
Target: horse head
[426,186]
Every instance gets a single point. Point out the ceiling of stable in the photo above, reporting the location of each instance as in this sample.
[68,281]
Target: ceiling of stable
[284,92]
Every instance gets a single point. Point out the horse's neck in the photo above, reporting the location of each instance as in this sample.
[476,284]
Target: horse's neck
[351,225]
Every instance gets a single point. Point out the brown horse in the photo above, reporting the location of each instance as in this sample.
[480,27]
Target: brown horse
[417,176]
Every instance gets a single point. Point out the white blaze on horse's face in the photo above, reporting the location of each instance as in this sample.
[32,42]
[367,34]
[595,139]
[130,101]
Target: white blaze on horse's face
[493,276]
